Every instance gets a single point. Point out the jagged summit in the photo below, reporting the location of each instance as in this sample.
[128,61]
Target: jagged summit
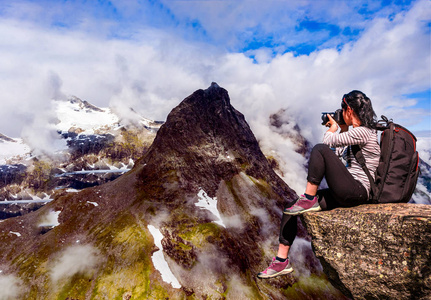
[206,140]
[214,84]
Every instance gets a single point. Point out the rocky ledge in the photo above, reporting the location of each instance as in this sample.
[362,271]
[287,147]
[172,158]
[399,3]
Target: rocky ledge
[375,251]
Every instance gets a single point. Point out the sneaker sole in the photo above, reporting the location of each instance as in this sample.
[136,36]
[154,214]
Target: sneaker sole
[302,211]
[282,272]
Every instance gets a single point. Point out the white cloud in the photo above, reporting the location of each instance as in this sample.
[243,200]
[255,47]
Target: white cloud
[73,260]
[384,63]
[299,253]
[276,22]
[424,148]
[50,219]
[10,287]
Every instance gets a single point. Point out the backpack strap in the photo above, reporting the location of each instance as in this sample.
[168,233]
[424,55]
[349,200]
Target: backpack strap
[384,123]
[361,160]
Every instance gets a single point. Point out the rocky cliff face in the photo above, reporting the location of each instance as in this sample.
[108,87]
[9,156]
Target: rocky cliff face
[203,188]
[375,251]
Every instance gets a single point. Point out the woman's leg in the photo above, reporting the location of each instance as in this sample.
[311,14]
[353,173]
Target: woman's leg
[280,265]
[343,191]
[323,161]
[288,230]
[283,251]
[343,188]
[311,189]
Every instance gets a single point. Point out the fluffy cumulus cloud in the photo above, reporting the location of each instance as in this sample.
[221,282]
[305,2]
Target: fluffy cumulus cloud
[119,55]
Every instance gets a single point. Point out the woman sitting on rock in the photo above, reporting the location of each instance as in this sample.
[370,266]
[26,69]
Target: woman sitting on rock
[348,184]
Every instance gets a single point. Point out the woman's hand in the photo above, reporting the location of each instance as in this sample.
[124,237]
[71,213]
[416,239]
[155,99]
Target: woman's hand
[332,124]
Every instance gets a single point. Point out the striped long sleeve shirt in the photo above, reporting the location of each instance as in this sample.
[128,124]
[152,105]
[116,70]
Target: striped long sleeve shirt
[366,138]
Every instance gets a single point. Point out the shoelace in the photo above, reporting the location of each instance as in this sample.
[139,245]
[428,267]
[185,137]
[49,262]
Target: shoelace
[297,203]
[272,264]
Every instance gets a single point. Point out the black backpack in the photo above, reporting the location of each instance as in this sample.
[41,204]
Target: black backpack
[398,170]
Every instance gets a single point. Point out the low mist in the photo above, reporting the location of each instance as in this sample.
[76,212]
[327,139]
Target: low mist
[75,259]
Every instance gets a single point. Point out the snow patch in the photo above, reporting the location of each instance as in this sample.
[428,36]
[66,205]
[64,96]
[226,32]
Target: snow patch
[206,202]
[159,260]
[112,169]
[25,201]
[37,198]
[94,203]
[13,149]
[16,233]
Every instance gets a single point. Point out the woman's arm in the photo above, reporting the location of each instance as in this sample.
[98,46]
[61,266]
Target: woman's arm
[356,136]
[333,125]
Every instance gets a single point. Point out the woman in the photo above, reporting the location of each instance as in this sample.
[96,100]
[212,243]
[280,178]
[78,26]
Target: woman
[348,184]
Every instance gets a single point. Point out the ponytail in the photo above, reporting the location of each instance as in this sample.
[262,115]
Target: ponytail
[361,105]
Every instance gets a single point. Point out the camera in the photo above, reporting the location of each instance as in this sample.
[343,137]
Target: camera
[336,115]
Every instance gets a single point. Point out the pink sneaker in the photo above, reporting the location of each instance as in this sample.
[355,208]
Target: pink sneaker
[303,205]
[276,268]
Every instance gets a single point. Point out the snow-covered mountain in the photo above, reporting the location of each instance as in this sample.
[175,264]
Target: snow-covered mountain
[83,118]
[74,116]
[86,137]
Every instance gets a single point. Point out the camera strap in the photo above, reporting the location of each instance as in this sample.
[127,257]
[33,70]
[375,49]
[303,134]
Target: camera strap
[361,160]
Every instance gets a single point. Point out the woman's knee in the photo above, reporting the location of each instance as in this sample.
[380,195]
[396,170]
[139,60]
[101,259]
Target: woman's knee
[321,148]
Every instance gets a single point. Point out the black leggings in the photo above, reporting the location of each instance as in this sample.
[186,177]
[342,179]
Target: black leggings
[343,191]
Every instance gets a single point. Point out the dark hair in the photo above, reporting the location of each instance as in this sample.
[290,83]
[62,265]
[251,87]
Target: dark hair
[362,107]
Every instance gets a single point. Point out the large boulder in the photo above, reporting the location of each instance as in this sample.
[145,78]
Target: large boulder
[375,251]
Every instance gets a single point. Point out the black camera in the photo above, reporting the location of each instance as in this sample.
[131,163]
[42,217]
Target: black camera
[337,116]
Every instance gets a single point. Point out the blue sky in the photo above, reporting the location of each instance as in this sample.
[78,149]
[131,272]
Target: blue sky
[269,55]
[300,27]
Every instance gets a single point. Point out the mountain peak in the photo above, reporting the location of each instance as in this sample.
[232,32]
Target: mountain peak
[85,105]
[4,138]
[214,84]
[206,140]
